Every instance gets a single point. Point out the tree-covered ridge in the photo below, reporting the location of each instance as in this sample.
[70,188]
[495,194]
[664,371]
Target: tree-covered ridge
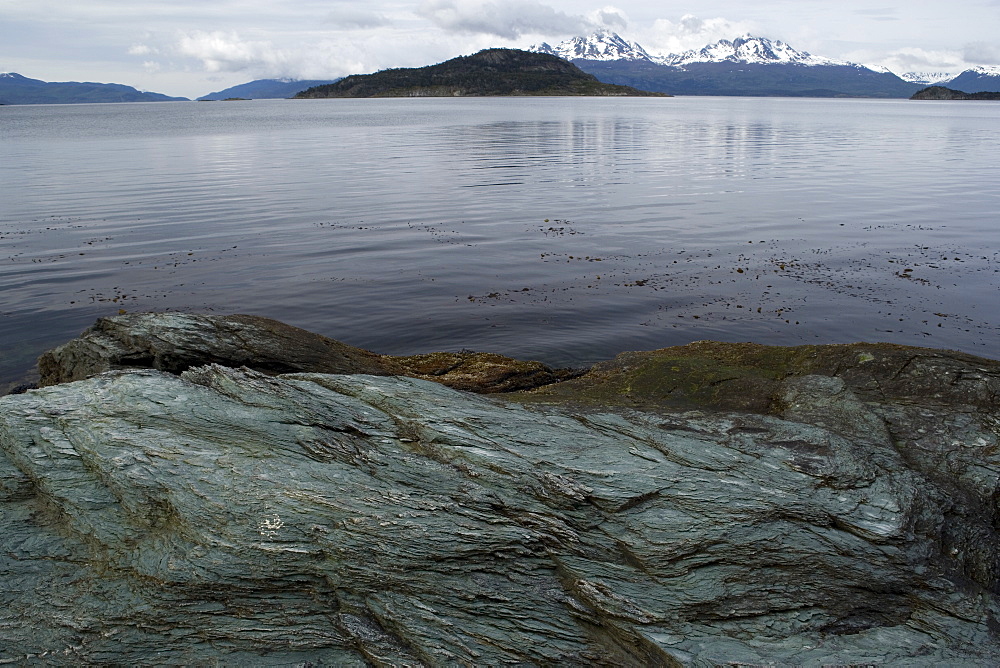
[942,93]
[487,73]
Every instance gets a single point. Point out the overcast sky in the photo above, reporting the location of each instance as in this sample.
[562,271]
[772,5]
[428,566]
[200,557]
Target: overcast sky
[192,47]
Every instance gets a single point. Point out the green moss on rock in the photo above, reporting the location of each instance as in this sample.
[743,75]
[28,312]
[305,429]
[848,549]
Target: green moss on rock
[749,376]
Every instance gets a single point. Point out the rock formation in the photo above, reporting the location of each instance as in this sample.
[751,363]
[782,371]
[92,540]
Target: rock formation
[714,504]
[174,342]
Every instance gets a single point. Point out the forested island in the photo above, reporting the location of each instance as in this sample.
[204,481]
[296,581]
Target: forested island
[943,93]
[491,72]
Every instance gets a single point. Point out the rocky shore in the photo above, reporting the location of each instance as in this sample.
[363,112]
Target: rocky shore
[198,489]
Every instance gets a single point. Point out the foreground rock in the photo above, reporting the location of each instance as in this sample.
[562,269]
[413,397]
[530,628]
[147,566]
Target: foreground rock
[753,377]
[174,342]
[784,506]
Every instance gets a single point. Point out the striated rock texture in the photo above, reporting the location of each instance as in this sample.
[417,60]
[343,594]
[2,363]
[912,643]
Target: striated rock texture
[849,517]
[174,342]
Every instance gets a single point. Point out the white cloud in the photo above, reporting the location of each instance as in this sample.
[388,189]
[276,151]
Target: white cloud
[141,50]
[222,52]
[691,32]
[226,52]
[508,20]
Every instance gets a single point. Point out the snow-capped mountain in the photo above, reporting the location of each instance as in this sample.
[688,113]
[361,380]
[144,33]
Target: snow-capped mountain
[987,70]
[750,65]
[981,79]
[602,45]
[748,49]
[605,45]
[747,65]
[927,78]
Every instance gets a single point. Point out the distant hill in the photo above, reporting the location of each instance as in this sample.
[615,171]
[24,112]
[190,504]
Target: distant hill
[942,93]
[748,65]
[263,89]
[492,72]
[17,89]
[753,79]
[977,80]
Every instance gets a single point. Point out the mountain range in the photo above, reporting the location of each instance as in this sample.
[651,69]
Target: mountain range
[745,66]
[17,89]
[977,80]
[748,65]
[263,89]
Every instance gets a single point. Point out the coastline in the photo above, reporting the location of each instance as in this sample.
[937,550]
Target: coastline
[163,341]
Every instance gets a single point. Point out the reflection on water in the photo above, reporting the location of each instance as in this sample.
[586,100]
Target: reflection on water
[556,229]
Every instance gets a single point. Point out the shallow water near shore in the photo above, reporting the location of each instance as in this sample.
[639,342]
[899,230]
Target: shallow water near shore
[563,230]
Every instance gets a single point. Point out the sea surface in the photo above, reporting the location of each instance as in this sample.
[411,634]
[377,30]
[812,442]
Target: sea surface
[559,229]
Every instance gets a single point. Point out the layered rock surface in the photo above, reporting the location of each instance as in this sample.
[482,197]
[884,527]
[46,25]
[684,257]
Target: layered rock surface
[174,342]
[846,515]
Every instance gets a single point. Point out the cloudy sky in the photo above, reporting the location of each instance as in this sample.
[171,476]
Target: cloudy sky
[192,47]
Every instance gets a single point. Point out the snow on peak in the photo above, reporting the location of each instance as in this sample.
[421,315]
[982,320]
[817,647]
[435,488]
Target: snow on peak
[748,49]
[935,78]
[927,78]
[601,45]
[988,70]
[608,46]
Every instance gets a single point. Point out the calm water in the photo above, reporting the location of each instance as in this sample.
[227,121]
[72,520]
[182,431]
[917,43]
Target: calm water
[565,230]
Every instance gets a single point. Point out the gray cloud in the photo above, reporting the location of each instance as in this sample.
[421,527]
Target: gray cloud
[508,20]
[349,17]
[982,53]
[912,59]
[610,17]
[878,11]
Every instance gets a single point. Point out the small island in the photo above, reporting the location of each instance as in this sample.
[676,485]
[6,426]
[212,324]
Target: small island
[491,72]
[942,93]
